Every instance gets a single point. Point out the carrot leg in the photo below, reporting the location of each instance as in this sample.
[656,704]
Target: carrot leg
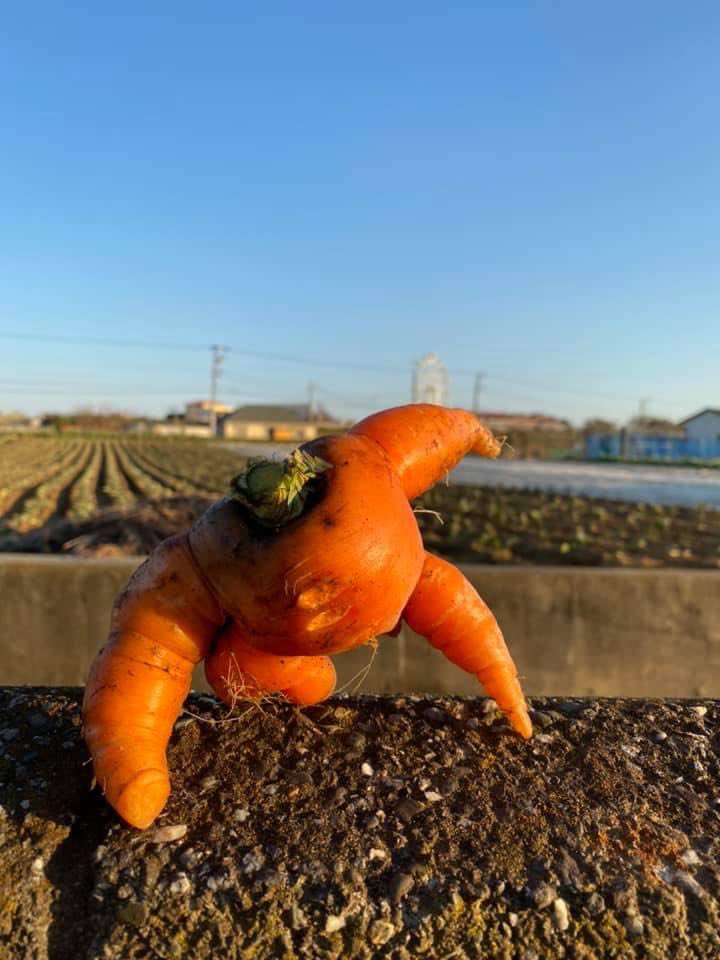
[238,671]
[162,626]
[423,442]
[446,609]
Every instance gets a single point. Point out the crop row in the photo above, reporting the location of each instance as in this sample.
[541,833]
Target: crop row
[82,496]
[526,526]
[49,497]
[42,478]
[114,489]
[19,476]
[206,471]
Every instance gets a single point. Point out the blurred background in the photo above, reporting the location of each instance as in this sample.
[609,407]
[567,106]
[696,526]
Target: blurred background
[228,229]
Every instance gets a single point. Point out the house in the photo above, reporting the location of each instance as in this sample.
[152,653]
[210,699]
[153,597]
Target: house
[282,422]
[703,426]
[526,422]
[649,438]
[18,422]
[201,411]
[179,427]
[655,427]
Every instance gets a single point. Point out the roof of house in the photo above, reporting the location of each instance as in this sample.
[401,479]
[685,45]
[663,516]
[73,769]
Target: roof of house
[654,427]
[700,413]
[511,416]
[521,420]
[278,413]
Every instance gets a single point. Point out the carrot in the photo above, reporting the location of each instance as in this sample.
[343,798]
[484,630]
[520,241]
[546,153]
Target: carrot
[162,625]
[424,442]
[445,608]
[238,671]
[303,559]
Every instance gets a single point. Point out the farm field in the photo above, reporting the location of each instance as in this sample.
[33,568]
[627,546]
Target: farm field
[111,496]
[504,525]
[46,480]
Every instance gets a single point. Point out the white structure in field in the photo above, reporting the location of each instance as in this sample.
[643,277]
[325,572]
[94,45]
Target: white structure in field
[703,426]
[430,381]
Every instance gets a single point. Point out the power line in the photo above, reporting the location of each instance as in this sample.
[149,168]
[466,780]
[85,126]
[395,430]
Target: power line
[101,341]
[179,345]
[364,402]
[314,362]
[102,388]
[81,384]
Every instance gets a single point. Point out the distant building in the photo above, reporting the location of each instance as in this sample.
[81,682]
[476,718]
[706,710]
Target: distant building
[526,422]
[179,427]
[200,411]
[289,423]
[14,422]
[646,438]
[654,427]
[430,381]
[703,426]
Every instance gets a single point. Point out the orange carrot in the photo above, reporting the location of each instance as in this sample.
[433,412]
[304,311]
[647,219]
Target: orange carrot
[424,442]
[445,608]
[236,670]
[305,558]
[161,627]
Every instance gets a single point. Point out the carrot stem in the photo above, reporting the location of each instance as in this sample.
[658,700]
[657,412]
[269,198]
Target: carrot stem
[275,492]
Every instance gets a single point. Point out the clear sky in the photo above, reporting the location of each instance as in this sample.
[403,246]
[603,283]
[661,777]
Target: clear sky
[528,189]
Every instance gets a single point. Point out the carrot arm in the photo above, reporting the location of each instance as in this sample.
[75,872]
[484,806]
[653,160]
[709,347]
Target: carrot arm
[446,609]
[424,442]
[162,625]
[236,670]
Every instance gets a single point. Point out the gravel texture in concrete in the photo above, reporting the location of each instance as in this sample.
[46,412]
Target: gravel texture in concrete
[370,827]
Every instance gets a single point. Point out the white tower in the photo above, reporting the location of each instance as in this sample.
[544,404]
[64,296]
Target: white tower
[430,381]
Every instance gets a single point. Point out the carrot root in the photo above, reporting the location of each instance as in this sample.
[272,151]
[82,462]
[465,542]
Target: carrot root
[446,609]
[424,442]
[236,670]
[142,799]
[316,682]
[162,626]
[313,556]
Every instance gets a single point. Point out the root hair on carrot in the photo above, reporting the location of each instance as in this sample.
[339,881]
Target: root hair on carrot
[362,672]
[505,442]
[434,513]
[211,722]
[237,687]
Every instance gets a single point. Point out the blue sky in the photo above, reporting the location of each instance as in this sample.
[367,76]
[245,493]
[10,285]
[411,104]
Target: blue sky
[526,189]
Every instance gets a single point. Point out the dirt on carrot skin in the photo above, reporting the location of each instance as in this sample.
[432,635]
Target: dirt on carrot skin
[370,827]
[464,524]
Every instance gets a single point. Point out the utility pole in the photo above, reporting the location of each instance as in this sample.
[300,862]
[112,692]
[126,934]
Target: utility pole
[312,408]
[477,388]
[218,355]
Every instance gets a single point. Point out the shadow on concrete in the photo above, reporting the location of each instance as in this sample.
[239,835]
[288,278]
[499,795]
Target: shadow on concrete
[47,795]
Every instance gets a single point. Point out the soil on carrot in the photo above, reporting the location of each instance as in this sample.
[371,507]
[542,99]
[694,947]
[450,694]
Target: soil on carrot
[465,524]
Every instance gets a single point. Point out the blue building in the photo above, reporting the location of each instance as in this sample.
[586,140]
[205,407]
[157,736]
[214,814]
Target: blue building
[695,438]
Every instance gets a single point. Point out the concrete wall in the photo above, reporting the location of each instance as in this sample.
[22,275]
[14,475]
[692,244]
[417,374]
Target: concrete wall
[572,631]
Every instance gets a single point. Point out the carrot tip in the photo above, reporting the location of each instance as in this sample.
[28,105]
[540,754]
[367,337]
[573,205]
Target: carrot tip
[520,721]
[315,685]
[142,799]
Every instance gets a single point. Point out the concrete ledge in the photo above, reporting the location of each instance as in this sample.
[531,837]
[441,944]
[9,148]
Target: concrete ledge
[370,828]
[583,631]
